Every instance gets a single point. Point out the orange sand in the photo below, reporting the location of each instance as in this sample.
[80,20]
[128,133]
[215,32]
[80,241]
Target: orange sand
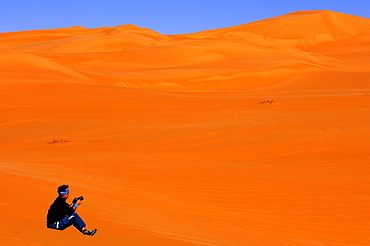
[173,139]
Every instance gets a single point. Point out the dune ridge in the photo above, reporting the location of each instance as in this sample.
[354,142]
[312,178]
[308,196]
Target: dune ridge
[302,28]
[256,134]
[226,59]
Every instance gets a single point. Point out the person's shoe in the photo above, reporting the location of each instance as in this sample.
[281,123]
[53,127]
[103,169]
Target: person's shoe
[89,233]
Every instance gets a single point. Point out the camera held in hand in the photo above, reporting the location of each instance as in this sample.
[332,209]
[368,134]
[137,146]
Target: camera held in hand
[81,198]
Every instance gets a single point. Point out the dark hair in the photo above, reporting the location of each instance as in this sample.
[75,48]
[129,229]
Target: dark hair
[62,188]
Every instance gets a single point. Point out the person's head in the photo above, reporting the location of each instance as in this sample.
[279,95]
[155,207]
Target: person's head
[63,191]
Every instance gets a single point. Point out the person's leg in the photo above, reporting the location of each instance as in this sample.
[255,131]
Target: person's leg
[80,225]
[75,220]
[61,224]
[55,226]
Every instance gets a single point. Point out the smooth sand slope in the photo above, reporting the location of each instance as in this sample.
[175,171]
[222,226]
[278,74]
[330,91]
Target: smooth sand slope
[257,134]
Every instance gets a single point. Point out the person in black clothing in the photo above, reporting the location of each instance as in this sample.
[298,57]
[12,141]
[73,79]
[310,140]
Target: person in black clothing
[61,215]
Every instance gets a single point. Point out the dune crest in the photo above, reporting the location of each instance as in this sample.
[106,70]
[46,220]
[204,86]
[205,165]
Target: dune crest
[247,57]
[300,29]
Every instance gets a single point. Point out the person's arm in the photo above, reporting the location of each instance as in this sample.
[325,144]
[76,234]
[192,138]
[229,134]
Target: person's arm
[75,206]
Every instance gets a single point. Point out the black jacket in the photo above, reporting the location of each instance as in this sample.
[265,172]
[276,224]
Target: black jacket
[58,210]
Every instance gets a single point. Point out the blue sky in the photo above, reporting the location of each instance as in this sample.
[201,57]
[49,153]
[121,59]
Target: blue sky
[164,16]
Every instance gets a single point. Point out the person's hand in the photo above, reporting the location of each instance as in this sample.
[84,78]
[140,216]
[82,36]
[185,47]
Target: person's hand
[78,202]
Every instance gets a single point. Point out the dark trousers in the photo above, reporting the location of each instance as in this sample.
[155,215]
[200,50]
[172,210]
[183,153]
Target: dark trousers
[73,219]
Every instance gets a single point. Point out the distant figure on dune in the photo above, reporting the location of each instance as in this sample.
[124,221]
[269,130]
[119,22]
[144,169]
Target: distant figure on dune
[61,215]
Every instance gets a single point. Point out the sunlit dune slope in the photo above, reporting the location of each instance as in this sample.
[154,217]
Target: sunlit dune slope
[173,169]
[252,56]
[301,28]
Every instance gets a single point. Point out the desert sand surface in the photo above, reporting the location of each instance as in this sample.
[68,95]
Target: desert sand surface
[256,134]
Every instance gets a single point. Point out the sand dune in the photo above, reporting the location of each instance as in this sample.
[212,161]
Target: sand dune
[270,52]
[301,28]
[256,134]
[120,38]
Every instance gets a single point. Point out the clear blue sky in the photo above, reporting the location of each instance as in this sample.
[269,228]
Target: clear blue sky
[164,16]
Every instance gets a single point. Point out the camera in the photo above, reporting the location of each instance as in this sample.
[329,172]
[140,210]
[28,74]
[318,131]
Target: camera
[81,198]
